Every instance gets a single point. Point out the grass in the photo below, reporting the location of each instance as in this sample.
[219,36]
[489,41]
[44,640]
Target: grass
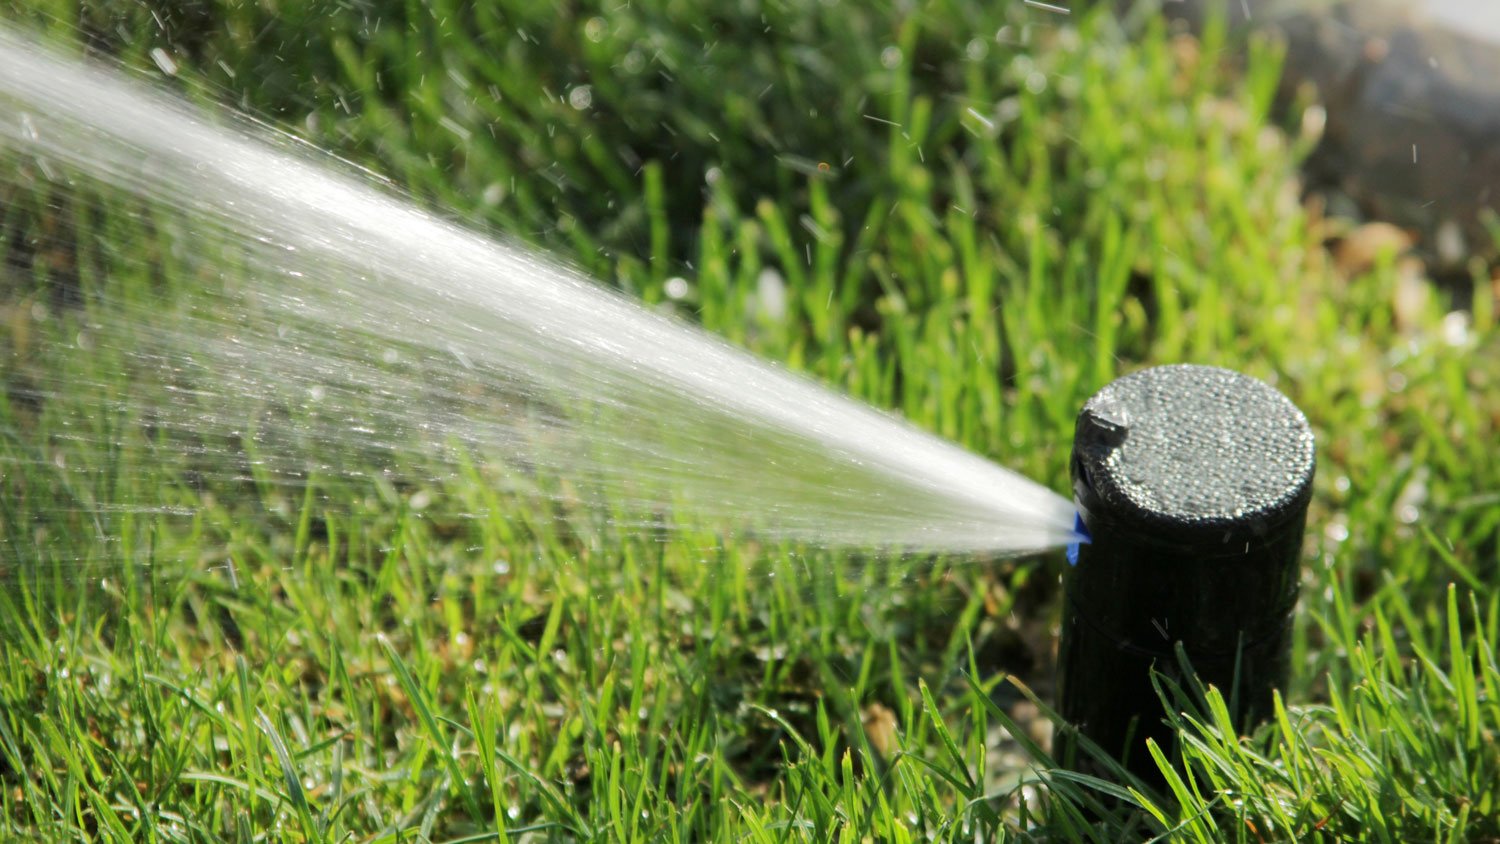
[981,212]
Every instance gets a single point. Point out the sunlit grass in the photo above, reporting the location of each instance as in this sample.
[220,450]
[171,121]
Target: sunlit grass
[978,214]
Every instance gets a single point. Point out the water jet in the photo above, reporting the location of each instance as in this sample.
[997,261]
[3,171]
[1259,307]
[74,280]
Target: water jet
[340,329]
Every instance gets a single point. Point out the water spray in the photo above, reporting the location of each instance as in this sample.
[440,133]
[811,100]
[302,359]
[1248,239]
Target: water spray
[342,328]
[1193,483]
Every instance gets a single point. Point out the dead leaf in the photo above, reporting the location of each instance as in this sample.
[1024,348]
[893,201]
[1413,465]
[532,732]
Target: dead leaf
[1367,246]
[880,728]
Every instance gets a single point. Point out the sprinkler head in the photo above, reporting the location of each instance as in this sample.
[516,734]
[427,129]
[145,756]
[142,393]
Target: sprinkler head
[1192,483]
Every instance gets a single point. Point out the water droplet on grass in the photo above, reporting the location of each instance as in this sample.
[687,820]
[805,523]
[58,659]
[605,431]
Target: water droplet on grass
[164,61]
[770,294]
[1456,329]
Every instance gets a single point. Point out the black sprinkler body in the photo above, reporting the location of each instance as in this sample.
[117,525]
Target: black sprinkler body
[1193,483]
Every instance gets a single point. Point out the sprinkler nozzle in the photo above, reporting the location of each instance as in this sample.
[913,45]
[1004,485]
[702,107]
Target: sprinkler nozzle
[1081,531]
[1192,486]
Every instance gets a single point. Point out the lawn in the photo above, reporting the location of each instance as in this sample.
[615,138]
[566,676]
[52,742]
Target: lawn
[980,213]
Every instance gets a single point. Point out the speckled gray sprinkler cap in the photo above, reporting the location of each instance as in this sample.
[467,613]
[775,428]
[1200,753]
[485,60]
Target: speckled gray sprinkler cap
[1192,452]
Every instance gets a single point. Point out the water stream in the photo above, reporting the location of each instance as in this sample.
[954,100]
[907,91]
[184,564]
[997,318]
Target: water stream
[334,329]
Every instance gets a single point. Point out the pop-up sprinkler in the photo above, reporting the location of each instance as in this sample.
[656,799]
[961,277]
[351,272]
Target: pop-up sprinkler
[1193,483]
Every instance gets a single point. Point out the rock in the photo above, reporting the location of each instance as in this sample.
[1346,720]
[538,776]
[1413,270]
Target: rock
[1411,133]
[1412,107]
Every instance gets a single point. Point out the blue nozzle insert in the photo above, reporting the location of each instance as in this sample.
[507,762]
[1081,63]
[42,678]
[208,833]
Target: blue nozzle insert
[1083,539]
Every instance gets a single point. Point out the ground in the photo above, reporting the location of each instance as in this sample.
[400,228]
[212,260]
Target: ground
[981,213]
